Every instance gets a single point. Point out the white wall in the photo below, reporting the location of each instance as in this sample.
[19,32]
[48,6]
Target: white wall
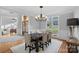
[76,15]
[19,25]
[63,28]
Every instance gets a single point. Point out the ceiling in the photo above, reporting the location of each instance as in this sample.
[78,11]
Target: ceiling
[35,10]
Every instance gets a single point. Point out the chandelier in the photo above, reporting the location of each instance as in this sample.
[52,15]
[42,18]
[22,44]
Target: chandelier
[41,17]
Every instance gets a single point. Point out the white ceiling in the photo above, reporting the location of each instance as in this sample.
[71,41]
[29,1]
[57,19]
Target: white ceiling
[35,10]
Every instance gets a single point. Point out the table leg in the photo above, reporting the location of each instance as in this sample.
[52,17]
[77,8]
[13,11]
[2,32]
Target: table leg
[37,46]
[72,48]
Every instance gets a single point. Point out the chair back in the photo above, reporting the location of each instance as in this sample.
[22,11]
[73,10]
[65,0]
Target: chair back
[49,36]
[44,38]
[27,38]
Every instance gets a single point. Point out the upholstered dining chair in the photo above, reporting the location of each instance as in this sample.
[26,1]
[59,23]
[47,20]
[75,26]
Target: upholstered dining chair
[28,42]
[49,37]
[44,39]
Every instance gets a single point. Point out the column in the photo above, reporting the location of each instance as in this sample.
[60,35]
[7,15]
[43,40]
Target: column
[19,25]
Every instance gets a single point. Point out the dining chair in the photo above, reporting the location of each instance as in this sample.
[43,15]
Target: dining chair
[28,42]
[44,39]
[49,37]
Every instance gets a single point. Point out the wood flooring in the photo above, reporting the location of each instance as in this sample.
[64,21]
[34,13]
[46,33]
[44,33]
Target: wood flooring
[5,47]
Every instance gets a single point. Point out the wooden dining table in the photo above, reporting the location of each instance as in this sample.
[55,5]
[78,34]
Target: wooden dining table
[36,37]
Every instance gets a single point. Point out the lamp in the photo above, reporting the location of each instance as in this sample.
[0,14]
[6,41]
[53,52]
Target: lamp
[72,22]
[41,17]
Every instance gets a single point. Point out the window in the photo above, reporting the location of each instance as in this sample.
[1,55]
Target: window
[52,24]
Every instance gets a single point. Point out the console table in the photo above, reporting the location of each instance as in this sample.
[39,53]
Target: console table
[69,42]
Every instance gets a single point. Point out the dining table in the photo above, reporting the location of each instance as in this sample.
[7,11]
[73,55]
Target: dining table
[36,37]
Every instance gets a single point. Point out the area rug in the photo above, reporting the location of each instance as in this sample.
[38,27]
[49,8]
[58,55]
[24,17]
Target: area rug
[11,39]
[52,48]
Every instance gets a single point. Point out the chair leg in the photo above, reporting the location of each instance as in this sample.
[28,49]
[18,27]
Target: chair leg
[29,49]
[50,40]
[46,44]
[42,46]
[25,46]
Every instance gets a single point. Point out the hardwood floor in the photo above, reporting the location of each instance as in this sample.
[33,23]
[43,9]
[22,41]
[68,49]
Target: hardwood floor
[5,47]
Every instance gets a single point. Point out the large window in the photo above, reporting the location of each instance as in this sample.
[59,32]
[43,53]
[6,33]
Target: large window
[52,24]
